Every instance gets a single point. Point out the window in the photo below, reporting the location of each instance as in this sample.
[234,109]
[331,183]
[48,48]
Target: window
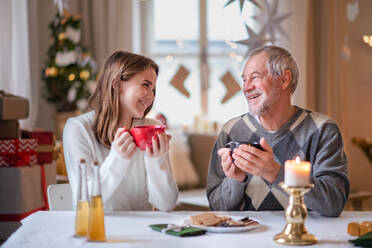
[197,35]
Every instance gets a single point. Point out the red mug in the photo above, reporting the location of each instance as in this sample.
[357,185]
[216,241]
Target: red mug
[142,135]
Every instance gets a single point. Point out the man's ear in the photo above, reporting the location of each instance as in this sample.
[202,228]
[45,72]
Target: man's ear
[286,79]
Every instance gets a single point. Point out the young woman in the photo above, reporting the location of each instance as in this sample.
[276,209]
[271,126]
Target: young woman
[131,179]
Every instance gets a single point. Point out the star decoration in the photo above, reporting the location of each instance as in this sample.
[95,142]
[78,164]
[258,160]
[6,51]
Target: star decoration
[272,20]
[241,2]
[254,40]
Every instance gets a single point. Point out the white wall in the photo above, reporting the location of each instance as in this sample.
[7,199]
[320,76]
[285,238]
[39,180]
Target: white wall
[295,26]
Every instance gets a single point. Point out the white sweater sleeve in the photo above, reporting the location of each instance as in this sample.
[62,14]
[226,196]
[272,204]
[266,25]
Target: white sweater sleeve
[79,143]
[162,189]
[112,172]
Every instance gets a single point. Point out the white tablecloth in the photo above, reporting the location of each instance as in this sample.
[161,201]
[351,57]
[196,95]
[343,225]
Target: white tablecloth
[130,229]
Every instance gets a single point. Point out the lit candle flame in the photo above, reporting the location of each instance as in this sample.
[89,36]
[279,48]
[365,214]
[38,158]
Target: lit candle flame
[298,160]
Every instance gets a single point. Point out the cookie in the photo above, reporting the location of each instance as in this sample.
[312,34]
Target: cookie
[207,219]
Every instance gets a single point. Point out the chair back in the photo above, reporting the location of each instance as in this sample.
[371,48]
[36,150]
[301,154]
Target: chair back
[60,197]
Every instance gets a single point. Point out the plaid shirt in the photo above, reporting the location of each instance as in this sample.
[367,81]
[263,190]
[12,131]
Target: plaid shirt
[311,136]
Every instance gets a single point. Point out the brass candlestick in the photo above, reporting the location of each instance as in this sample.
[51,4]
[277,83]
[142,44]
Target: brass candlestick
[295,233]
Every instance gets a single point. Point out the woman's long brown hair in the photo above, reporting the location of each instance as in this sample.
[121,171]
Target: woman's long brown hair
[120,66]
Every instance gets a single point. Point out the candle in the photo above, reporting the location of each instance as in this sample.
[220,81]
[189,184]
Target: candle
[296,172]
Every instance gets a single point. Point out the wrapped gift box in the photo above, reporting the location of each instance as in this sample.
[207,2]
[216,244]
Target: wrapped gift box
[18,152]
[45,147]
[13,107]
[9,129]
[23,191]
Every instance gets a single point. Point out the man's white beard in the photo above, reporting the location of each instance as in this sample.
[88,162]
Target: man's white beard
[265,103]
[258,109]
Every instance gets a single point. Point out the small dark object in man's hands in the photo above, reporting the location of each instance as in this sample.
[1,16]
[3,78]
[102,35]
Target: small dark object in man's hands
[235,144]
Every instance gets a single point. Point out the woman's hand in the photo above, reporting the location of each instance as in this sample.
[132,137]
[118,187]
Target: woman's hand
[123,143]
[160,145]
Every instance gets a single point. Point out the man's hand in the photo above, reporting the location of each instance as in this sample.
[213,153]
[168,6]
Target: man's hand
[256,162]
[228,167]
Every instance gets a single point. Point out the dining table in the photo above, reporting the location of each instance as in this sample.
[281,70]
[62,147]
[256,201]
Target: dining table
[131,229]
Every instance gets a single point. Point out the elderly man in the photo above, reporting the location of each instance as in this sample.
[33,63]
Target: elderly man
[248,178]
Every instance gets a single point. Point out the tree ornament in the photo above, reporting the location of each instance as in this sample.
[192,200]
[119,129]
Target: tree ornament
[84,75]
[71,77]
[66,58]
[52,71]
[72,93]
[61,36]
[73,34]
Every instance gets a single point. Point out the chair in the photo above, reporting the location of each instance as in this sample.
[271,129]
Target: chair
[60,197]
[356,199]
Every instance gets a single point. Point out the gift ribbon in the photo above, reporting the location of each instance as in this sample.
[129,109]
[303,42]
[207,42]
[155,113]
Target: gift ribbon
[19,158]
[44,187]
[45,148]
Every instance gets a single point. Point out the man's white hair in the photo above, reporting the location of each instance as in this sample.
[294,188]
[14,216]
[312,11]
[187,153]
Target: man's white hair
[278,60]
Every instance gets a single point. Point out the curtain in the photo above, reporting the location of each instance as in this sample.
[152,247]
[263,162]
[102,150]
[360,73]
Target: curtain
[106,26]
[15,76]
[327,67]
[341,76]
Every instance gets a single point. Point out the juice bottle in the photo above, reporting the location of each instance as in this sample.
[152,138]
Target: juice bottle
[96,226]
[82,206]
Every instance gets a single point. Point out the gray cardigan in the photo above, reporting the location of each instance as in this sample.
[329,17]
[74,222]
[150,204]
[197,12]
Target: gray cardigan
[311,136]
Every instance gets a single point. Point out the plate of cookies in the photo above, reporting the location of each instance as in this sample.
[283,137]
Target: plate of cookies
[222,223]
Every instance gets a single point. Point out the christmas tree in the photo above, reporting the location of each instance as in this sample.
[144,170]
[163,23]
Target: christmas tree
[69,68]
